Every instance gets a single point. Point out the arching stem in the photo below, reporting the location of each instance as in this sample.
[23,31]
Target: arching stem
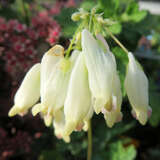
[116,40]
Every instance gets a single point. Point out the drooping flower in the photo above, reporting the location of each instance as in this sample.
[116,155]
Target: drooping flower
[112,110]
[114,114]
[78,100]
[28,93]
[136,85]
[101,70]
[48,62]
[55,87]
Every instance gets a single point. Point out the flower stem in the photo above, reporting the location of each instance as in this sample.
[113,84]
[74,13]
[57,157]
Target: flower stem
[89,153]
[116,40]
[74,39]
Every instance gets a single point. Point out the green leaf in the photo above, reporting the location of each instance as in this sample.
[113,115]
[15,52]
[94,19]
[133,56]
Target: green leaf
[116,28]
[155,103]
[138,16]
[122,61]
[87,5]
[133,13]
[109,6]
[118,152]
[64,19]
[50,155]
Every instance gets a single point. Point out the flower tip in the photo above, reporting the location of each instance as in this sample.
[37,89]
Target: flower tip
[69,128]
[98,105]
[48,120]
[67,139]
[13,111]
[97,111]
[143,117]
[85,127]
[109,121]
[36,109]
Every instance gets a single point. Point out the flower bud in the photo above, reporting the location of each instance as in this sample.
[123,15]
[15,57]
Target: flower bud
[76,16]
[101,69]
[78,100]
[136,85]
[28,93]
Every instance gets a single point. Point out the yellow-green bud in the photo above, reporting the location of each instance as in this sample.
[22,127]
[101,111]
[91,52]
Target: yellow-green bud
[76,16]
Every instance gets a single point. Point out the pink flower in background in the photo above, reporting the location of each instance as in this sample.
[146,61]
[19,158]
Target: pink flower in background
[70,3]
[20,42]
[20,27]
[55,10]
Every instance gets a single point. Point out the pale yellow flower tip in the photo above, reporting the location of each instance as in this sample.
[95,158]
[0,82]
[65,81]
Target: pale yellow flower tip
[67,139]
[36,109]
[142,117]
[85,127]
[13,111]
[64,137]
[48,120]
[56,50]
[76,16]
[98,104]
[112,118]
[69,127]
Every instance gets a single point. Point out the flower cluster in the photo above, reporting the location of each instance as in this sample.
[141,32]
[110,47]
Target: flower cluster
[19,43]
[72,88]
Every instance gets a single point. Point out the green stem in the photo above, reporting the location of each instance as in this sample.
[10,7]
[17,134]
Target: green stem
[89,153]
[73,39]
[25,12]
[116,40]
[70,45]
[90,22]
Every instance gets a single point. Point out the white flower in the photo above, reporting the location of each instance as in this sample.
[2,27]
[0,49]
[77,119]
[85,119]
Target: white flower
[59,125]
[87,118]
[55,89]
[112,110]
[50,58]
[114,114]
[28,93]
[101,69]
[136,85]
[78,100]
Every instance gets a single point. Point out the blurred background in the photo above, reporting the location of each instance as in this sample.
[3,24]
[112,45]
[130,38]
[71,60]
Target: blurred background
[28,28]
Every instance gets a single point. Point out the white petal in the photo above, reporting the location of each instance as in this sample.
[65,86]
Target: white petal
[59,126]
[115,115]
[55,89]
[136,85]
[78,100]
[28,93]
[48,62]
[101,69]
